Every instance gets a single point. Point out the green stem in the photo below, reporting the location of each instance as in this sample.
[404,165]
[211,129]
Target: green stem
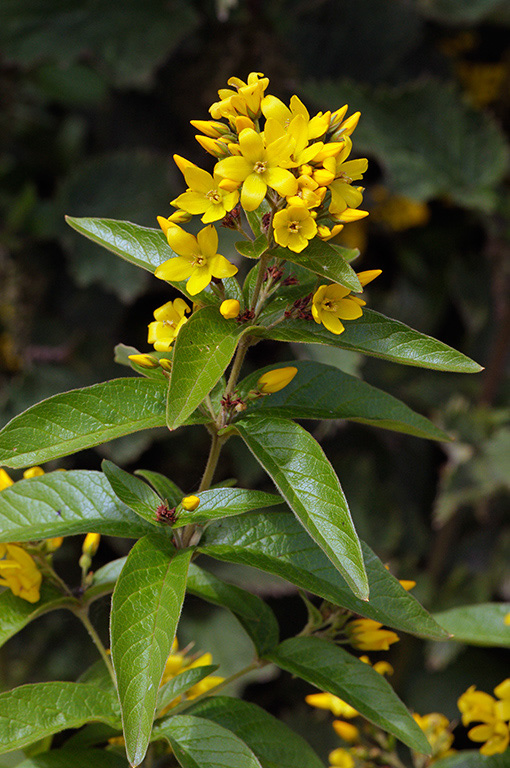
[83,616]
[236,366]
[212,462]
[264,259]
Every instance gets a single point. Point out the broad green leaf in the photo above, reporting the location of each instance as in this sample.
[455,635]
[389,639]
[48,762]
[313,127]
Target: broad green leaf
[427,139]
[325,261]
[473,759]
[200,743]
[377,336]
[99,675]
[482,624]
[63,504]
[181,683]
[275,542]
[309,485]
[203,349]
[105,579]
[82,418]
[30,712]
[77,758]
[16,613]
[254,614]
[92,734]
[336,671]
[274,743]
[166,488]
[143,246]
[252,250]
[134,493]
[225,502]
[320,391]
[146,607]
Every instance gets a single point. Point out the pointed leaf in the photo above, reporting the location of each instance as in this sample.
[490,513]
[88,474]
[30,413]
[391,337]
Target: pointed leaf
[252,250]
[220,502]
[473,759]
[378,336]
[143,246]
[200,743]
[63,504]
[82,418]
[275,542]
[77,758]
[336,671]
[105,579]
[146,607]
[321,258]
[181,683]
[134,493]
[166,488]
[203,349]
[274,743]
[482,624]
[308,483]
[320,391]
[16,613]
[30,712]
[254,614]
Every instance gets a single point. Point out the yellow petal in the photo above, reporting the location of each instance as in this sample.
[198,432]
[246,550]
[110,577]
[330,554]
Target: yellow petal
[253,192]
[181,241]
[175,269]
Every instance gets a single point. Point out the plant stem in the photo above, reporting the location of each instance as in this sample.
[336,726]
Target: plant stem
[212,462]
[83,615]
[260,279]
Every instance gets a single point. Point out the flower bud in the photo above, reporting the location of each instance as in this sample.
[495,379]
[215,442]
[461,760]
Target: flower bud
[278,378]
[5,480]
[347,731]
[145,361]
[33,472]
[166,364]
[90,544]
[211,128]
[190,503]
[230,308]
[50,545]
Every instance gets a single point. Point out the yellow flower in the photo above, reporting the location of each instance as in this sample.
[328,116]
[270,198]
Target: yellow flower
[341,758]
[502,707]
[205,194]
[476,705]
[145,361]
[51,545]
[90,544]
[197,260]
[190,503]
[326,233]
[169,319]
[333,302]
[347,731]
[381,667]
[5,480]
[368,635]
[19,572]
[273,108]
[506,620]
[230,308]
[335,705]
[258,166]
[278,378]
[436,728]
[243,99]
[294,227]
[297,132]
[343,194]
[495,735]
[33,472]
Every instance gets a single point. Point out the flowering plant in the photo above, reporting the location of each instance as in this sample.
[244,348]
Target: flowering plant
[284,181]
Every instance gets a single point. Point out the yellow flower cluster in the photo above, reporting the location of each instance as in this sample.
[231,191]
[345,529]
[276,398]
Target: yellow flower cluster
[178,662]
[437,729]
[369,635]
[492,714]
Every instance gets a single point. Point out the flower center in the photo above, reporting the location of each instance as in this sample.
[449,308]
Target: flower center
[259,167]
[214,196]
[200,261]
[329,305]
[294,227]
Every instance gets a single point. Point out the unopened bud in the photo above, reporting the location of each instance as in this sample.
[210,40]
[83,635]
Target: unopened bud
[278,378]
[33,472]
[166,364]
[210,128]
[190,503]
[90,544]
[50,545]
[230,308]
[145,361]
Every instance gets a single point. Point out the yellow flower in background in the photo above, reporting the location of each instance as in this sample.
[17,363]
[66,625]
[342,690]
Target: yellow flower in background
[205,193]
[169,319]
[19,572]
[495,735]
[230,309]
[502,707]
[341,758]
[476,705]
[5,480]
[33,472]
[437,729]
[294,227]
[198,259]
[178,662]
[347,731]
[368,635]
[396,211]
[278,378]
[334,704]
[506,620]
[381,667]
[259,166]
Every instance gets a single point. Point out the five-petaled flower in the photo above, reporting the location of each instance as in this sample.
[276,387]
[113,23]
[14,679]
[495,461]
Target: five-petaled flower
[168,321]
[333,303]
[294,227]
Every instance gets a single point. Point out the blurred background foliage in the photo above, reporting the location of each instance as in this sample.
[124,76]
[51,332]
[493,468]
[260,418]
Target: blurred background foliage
[97,96]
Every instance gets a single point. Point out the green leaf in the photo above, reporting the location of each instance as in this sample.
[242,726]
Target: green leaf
[146,607]
[336,671]
[253,614]
[482,624]
[105,579]
[225,502]
[134,493]
[430,143]
[82,418]
[143,246]
[30,712]
[252,250]
[63,504]
[377,336]
[276,543]
[181,683]
[274,743]
[325,261]
[473,759]
[200,743]
[203,349]
[308,483]
[16,613]
[166,488]
[77,758]
[320,391]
